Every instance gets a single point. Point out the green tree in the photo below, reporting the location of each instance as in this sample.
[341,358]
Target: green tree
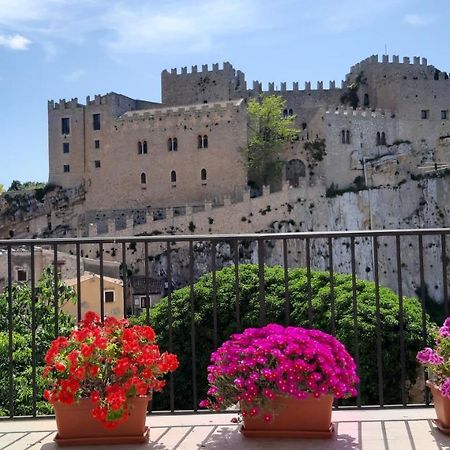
[2,188]
[22,326]
[270,130]
[275,307]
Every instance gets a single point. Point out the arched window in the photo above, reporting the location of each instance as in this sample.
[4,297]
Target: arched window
[174,144]
[291,112]
[203,175]
[383,138]
[343,136]
[144,147]
[347,137]
[169,144]
[139,148]
[378,138]
[285,113]
[366,100]
[173,176]
[202,141]
[295,170]
[143,178]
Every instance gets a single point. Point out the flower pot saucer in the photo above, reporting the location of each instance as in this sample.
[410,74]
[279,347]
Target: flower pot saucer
[298,434]
[105,440]
[441,427]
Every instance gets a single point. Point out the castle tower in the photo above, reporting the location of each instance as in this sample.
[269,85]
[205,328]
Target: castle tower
[205,86]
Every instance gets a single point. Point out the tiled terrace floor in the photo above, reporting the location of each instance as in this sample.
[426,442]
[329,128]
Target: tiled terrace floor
[394,429]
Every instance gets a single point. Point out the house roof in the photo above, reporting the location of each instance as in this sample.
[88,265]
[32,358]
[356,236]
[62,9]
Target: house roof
[88,276]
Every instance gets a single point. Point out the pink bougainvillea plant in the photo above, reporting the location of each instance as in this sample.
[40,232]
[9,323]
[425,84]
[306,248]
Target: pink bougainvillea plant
[437,361]
[261,363]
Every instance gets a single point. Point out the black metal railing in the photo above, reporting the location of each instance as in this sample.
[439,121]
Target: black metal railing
[409,262]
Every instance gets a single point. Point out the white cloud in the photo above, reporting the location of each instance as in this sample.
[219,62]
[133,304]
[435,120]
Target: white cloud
[75,75]
[418,20]
[183,26]
[14,42]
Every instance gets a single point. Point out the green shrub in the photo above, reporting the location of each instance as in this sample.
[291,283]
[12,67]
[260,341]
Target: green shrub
[275,307]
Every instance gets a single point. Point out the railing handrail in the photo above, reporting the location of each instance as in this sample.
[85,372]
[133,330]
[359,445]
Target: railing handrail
[228,237]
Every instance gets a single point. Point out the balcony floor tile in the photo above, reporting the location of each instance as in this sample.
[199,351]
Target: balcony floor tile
[388,429]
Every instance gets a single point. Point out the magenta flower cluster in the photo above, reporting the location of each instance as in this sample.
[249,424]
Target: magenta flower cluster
[255,366]
[437,360]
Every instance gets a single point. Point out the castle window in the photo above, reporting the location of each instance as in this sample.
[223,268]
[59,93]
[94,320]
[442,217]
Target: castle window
[66,147]
[202,141]
[97,164]
[65,125]
[291,112]
[144,147]
[173,176]
[172,144]
[66,168]
[285,113]
[444,114]
[143,178]
[378,138]
[203,175]
[383,138]
[345,136]
[97,143]
[424,114]
[366,100]
[96,122]
[139,148]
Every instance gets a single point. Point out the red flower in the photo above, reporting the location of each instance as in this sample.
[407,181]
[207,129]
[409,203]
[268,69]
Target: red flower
[105,362]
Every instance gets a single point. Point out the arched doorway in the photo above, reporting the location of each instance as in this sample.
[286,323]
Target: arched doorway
[295,169]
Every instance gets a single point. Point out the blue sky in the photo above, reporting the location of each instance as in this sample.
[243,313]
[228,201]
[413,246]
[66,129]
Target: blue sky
[52,49]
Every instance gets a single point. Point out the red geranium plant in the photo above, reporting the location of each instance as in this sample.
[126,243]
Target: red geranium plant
[107,362]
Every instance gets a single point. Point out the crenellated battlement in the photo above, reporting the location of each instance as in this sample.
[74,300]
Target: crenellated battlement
[343,110]
[215,68]
[272,88]
[206,108]
[390,60]
[64,104]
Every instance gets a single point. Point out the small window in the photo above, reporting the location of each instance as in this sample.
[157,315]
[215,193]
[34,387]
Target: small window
[143,178]
[66,147]
[172,144]
[444,114]
[97,163]
[96,122]
[109,296]
[378,138]
[65,125]
[66,168]
[383,138]
[285,113]
[347,137]
[202,141]
[424,114]
[144,147]
[173,176]
[139,148]
[22,275]
[203,175]
[343,136]
[97,143]
[290,112]
[144,302]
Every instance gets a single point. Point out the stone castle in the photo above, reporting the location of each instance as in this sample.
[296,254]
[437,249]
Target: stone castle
[132,167]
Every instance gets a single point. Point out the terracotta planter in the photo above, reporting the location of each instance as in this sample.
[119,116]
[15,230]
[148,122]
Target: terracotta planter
[442,408]
[308,418]
[76,426]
